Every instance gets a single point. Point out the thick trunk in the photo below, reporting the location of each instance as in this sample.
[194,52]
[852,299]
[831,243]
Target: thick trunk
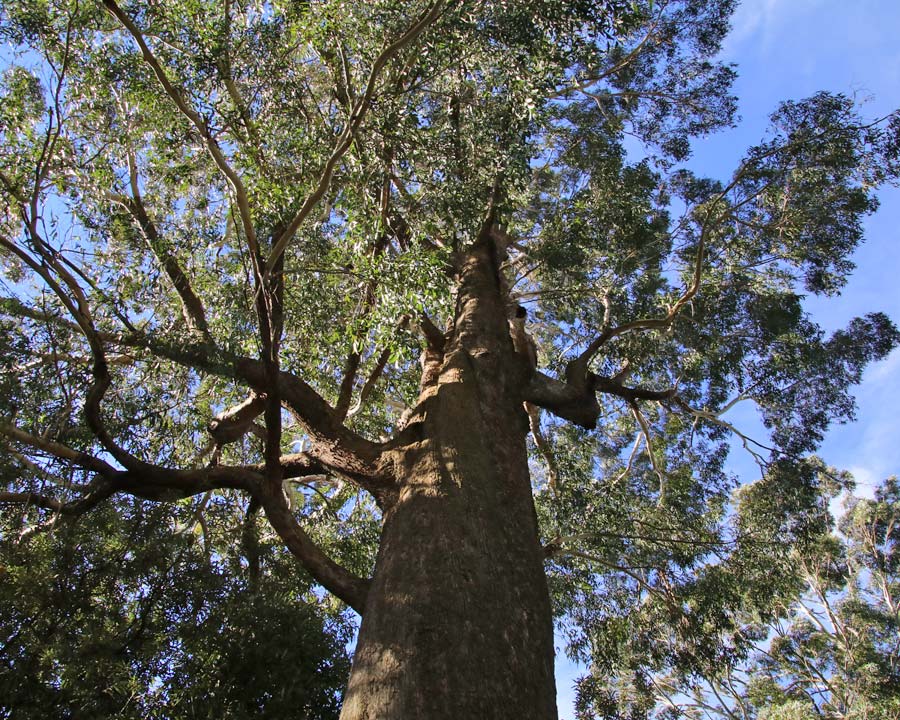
[457,622]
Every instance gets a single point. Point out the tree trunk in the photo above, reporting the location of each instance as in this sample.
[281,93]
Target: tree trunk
[457,623]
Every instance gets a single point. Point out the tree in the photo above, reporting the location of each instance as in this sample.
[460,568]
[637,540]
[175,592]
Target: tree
[337,262]
[838,651]
[124,618]
[833,653]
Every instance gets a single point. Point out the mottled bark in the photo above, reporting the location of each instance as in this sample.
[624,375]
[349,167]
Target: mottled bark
[457,621]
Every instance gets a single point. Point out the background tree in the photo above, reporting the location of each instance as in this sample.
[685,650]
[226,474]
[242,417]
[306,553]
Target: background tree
[129,616]
[833,653]
[275,256]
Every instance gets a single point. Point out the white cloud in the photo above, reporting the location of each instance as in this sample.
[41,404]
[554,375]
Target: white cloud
[885,370]
[762,22]
[866,480]
[745,22]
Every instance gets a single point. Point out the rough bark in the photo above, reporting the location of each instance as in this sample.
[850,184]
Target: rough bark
[457,621]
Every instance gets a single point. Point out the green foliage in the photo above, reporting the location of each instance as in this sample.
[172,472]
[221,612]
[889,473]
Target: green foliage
[120,617]
[832,652]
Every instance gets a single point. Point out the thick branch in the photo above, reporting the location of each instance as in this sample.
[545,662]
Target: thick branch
[337,580]
[335,446]
[577,401]
[233,423]
[164,484]
[435,338]
[575,404]
[611,386]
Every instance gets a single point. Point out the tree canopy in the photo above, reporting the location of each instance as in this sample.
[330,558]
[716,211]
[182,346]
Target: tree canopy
[830,653]
[129,616]
[232,238]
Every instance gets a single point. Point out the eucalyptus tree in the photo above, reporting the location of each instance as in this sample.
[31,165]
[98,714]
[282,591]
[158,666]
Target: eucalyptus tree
[335,263]
[836,654]
[832,652]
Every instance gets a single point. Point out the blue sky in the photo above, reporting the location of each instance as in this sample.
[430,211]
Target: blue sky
[789,49]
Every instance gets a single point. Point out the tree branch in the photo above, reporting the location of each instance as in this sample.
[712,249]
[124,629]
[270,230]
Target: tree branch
[338,448]
[233,423]
[575,404]
[576,401]
[348,380]
[58,450]
[333,445]
[194,312]
[645,429]
[345,139]
[375,374]
[212,145]
[543,446]
[334,578]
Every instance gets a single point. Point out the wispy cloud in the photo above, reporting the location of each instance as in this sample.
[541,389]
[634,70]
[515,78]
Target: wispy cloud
[762,23]
[869,448]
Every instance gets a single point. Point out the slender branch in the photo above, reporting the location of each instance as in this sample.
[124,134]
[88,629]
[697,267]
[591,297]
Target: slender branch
[27,464]
[580,364]
[15,307]
[724,705]
[98,493]
[77,307]
[30,498]
[631,457]
[375,374]
[543,446]
[371,381]
[345,139]
[629,571]
[234,93]
[192,306]
[714,419]
[58,450]
[645,429]
[351,366]
[178,98]
[621,65]
[266,298]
